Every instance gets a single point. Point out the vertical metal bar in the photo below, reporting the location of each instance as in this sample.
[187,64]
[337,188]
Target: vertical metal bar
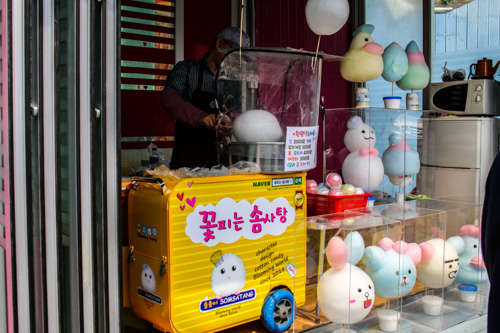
[85,168]
[6,156]
[19,158]
[50,167]
[179,31]
[112,177]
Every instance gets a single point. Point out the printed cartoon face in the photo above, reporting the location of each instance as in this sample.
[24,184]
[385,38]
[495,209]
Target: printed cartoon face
[228,275]
[394,274]
[439,265]
[341,304]
[360,137]
[148,279]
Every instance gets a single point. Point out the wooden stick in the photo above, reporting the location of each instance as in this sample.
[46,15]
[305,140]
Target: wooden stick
[241,25]
[317,50]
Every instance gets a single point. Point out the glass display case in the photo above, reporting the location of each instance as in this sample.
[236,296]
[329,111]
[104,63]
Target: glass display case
[345,254]
[423,258]
[452,284]
[375,149]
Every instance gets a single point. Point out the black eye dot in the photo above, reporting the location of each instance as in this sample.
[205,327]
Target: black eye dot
[369,286]
[366,39]
[409,271]
[234,268]
[150,276]
[451,266]
[145,274]
[363,131]
[397,272]
[475,246]
[222,271]
[359,290]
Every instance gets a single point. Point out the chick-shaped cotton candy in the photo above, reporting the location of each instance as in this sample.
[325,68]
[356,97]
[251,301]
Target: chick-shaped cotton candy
[363,61]
[257,126]
[418,74]
[395,62]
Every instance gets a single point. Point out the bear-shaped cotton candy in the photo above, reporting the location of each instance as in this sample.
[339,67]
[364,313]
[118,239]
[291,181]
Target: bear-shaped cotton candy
[257,126]
[391,266]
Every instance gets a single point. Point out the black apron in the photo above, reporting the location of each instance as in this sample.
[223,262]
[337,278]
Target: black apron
[196,146]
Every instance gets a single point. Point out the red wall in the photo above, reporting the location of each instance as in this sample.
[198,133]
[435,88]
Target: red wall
[203,20]
[282,23]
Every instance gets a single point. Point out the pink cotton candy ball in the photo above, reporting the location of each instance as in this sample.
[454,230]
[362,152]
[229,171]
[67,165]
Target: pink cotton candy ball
[334,180]
[311,186]
[335,192]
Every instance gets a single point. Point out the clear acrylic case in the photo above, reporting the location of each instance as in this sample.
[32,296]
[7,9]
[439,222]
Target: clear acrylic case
[269,104]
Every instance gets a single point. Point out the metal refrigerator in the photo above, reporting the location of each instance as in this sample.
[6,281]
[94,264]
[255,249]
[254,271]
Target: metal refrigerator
[456,154]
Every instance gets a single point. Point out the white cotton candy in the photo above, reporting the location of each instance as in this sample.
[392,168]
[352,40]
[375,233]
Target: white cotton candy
[257,126]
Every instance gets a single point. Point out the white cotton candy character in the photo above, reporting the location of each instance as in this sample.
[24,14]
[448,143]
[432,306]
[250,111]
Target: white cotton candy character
[229,275]
[148,279]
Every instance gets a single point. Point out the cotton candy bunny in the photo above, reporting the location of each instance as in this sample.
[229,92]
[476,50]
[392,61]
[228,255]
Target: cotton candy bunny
[345,293]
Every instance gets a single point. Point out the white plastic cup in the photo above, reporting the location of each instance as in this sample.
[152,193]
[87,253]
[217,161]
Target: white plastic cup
[362,97]
[467,292]
[392,102]
[432,305]
[388,320]
[412,101]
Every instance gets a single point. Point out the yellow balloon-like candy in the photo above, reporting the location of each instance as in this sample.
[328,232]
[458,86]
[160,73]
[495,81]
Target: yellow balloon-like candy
[348,189]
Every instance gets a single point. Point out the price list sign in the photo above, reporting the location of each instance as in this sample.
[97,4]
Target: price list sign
[300,149]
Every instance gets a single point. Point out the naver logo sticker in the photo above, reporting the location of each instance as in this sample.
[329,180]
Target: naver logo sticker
[283,182]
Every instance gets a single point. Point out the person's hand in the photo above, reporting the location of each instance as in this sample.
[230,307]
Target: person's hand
[224,126]
[208,121]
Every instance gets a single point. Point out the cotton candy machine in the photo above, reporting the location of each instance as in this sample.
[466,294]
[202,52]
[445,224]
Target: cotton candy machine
[269,101]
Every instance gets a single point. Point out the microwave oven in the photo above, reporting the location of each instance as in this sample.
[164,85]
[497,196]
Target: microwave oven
[472,97]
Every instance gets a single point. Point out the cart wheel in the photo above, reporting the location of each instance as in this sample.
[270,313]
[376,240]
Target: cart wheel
[278,311]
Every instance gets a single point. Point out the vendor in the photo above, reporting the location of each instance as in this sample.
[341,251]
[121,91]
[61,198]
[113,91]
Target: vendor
[189,97]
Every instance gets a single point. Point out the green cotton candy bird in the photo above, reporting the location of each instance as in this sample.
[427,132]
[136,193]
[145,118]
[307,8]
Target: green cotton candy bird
[418,74]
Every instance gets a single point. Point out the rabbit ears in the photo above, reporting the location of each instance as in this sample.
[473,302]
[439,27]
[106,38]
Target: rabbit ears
[340,252]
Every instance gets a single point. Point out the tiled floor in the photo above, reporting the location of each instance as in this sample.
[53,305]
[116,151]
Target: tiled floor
[475,325]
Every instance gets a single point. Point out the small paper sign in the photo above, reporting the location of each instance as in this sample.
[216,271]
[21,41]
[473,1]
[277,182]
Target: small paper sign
[300,150]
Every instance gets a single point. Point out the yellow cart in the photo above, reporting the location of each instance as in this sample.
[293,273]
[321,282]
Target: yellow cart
[212,253]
